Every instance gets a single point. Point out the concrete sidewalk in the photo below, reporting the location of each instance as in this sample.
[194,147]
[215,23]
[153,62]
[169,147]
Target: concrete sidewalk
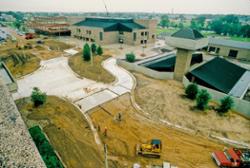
[55,77]
[123,85]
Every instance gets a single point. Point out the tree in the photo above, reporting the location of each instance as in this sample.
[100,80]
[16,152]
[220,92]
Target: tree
[245,30]
[191,91]
[38,97]
[93,48]
[130,57]
[202,99]
[181,25]
[226,104]
[201,21]
[99,50]
[194,24]
[86,52]
[164,21]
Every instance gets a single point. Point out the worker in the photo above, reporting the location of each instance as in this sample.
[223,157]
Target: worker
[105,133]
[119,118]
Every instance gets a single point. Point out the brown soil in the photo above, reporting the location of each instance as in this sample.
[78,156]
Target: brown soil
[67,130]
[181,149]
[89,70]
[165,100]
[34,55]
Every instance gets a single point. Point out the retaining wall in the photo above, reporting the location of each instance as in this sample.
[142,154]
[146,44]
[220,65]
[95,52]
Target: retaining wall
[146,71]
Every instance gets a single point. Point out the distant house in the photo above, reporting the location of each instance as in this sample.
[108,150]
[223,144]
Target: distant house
[115,30]
[222,75]
[229,48]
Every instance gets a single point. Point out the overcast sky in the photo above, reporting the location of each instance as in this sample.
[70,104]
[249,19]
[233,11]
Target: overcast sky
[164,6]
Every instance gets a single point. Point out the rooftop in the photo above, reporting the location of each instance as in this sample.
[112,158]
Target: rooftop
[111,24]
[223,76]
[229,43]
[188,33]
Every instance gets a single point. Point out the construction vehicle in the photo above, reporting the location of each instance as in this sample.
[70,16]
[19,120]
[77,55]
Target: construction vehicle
[29,36]
[232,158]
[152,149]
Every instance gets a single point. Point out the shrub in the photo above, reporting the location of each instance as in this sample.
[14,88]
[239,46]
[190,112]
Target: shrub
[191,91]
[226,104]
[99,50]
[37,97]
[86,52]
[130,57]
[93,48]
[45,149]
[202,99]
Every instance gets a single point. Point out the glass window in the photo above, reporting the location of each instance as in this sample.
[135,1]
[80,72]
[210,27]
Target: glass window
[134,37]
[101,36]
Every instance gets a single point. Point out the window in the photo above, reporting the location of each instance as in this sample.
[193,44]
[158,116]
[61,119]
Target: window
[142,33]
[211,49]
[217,50]
[121,33]
[79,30]
[153,36]
[145,41]
[146,33]
[233,53]
[141,41]
[134,36]
[101,36]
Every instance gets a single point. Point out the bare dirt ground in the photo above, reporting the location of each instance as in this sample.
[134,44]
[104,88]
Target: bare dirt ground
[181,149]
[165,100]
[67,130]
[93,71]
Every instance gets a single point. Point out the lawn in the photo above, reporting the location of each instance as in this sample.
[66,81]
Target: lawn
[67,130]
[93,71]
[166,30]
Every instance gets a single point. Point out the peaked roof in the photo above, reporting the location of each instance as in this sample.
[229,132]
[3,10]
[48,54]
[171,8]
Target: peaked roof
[111,24]
[219,73]
[188,33]
[229,43]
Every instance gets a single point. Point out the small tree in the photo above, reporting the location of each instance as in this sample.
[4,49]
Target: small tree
[86,52]
[93,48]
[226,104]
[38,97]
[202,99]
[130,57]
[99,50]
[191,91]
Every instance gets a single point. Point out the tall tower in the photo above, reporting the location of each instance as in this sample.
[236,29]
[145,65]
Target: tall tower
[186,41]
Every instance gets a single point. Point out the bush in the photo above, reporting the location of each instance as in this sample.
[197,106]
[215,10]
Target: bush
[191,91]
[86,52]
[226,104]
[202,99]
[93,48]
[45,149]
[99,50]
[130,57]
[37,97]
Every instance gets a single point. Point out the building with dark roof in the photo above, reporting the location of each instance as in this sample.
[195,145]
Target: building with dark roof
[115,30]
[222,75]
[229,48]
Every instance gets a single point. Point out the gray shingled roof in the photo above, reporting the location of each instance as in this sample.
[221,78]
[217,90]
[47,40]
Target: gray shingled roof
[111,24]
[188,33]
[219,74]
[229,43]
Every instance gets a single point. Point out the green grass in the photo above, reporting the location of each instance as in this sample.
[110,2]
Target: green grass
[166,30]
[45,149]
[207,34]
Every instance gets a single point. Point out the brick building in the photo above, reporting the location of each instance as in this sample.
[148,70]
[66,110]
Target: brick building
[113,30]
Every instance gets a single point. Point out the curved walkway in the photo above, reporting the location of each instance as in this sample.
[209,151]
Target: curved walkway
[55,77]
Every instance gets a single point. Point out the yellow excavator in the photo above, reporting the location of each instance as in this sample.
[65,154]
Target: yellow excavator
[151,149]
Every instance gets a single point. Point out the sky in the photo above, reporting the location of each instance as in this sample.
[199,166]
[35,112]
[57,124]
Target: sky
[162,6]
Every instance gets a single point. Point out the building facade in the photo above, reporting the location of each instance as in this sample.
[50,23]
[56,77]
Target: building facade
[229,48]
[110,31]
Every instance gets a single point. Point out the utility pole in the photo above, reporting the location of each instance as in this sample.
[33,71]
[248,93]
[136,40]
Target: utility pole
[106,155]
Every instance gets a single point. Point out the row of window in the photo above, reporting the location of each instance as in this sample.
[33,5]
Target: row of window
[216,50]
[87,31]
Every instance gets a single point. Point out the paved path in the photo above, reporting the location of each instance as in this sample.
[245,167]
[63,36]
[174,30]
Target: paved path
[55,77]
